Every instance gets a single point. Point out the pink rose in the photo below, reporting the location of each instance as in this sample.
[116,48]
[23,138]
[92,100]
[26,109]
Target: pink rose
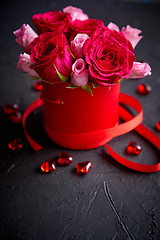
[77,44]
[140,70]
[24,64]
[51,57]
[76,13]
[53,21]
[25,35]
[109,56]
[79,75]
[113,26]
[89,26]
[132,34]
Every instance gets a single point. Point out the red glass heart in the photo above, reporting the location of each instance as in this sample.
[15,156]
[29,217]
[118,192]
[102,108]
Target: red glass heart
[144,89]
[84,167]
[65,159]
[134,148]
[15,144]
[10,108]
[158,125]
[16,117]
[38,85]
[48,166]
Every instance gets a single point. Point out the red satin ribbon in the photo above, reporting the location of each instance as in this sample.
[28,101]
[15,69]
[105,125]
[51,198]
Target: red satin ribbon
[130,124]
[36,104]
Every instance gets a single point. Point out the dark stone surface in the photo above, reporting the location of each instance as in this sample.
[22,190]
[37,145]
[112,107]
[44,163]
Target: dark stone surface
[111,202]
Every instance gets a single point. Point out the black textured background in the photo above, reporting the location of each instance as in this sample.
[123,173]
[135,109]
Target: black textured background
[111,202]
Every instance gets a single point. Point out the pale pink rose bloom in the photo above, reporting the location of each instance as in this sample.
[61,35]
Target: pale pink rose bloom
[140,70]
[80,74]
[25,35]
[24,64]
[132,34]
[77,44]
[113,26]
[76,13]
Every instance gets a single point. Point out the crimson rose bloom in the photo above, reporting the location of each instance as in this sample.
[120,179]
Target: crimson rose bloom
[52,21]
[89,26]
[109,56]
[49,51]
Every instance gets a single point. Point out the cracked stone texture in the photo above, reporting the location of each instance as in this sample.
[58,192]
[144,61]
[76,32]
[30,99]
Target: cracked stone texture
[111,202]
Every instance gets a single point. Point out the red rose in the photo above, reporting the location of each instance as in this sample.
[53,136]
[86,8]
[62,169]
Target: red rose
[49,51]
[109,56]
[52,21]
[89,26]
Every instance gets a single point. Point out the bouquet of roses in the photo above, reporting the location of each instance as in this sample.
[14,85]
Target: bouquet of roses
[71,47]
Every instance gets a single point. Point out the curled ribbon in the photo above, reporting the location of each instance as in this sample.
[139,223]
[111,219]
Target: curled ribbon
[129,124]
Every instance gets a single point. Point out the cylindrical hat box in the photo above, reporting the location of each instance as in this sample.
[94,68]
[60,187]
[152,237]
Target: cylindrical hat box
[73,117]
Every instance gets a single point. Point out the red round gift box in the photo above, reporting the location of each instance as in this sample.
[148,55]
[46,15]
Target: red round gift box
[78,117]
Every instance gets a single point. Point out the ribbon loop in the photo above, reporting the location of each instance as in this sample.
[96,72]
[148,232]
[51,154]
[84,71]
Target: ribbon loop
[33,106]
[107,134]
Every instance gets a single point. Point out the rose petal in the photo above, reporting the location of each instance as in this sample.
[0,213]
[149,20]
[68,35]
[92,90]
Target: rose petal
[113,26]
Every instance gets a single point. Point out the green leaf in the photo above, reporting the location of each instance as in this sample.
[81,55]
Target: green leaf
[34,78]
[72,86]
[71,53]
[61,78]
[120,80]
[87,89]
[47,82]
[95,85]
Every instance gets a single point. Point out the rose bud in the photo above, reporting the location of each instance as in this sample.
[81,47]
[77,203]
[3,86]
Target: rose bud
[140,70]
[132,34]
[77,45]
[76,13]
[24,64]
[79,75]
[25,35]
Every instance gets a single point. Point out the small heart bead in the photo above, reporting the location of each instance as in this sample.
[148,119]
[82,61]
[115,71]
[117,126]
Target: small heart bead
[15,144]
[134,148]
[38,85]
[65,159]
[144,89]
[10,109]
[158,125]
[16,117]
[84,167]
[48,166]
